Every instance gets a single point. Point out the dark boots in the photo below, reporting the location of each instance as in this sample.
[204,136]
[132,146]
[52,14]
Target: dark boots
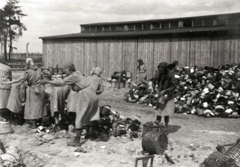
[166,121]
[76,140]
[34,124]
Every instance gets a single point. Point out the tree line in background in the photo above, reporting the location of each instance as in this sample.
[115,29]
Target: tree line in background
[11,27]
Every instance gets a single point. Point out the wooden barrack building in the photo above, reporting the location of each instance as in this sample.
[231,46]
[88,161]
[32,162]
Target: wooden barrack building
[114,46]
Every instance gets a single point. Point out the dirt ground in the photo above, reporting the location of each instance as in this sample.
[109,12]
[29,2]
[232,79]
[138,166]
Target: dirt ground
[191,140]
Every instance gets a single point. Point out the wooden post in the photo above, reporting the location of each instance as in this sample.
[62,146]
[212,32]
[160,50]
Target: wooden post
[27,50]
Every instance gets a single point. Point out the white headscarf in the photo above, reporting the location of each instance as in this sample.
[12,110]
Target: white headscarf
[29,62]
[97,71]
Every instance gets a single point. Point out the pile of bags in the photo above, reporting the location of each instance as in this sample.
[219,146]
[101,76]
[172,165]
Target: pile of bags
[205,91]
[114,124]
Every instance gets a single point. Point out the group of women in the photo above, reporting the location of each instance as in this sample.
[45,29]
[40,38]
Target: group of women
[84,101]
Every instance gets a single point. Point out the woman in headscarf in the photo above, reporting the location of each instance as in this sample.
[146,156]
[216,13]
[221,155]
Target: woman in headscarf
[35,107]
[141,71]
[87,103]
[165,80]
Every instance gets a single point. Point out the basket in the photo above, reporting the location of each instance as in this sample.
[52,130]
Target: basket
[5,127]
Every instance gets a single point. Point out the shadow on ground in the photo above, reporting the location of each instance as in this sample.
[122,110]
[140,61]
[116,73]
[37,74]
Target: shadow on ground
[173,128]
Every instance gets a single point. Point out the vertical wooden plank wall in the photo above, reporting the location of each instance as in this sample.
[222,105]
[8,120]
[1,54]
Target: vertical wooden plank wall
[234,48]
[215,61]
[150,58]
[122,54]
[221,51]
[201,51]
[80,58]
[75,52]
[175,50]
[59,60]
[100,55]
[115,56]
[45,55]
[192,52]
[238,43]
[91,56]
[162,51]
[106,71]
[129,55]
[68,57]
[183,51]
[206,47]
[50,53]
[145,52]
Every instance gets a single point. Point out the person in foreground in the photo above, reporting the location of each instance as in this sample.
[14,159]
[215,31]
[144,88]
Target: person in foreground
[5,76]
[87,103]
[165,80]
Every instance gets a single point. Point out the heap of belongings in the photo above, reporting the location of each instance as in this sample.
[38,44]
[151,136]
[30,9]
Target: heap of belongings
[204,91]
[226,156]
[121,125]
[111,123]
[142,93]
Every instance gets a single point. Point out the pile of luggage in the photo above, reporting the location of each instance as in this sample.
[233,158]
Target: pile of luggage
[205,91]
[208,91]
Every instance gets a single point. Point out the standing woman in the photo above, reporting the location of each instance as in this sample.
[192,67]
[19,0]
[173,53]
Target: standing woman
[165,80]
[87,103]
[141,71]
[57,104]
[35,107]
[5,76]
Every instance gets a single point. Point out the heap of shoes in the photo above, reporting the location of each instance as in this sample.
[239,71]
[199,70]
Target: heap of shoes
[204,91]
